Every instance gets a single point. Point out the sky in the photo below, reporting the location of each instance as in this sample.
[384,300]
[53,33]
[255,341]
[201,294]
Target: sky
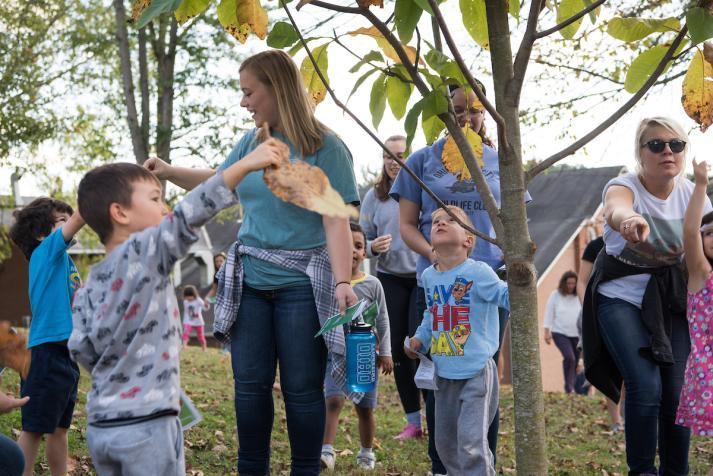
[613,147]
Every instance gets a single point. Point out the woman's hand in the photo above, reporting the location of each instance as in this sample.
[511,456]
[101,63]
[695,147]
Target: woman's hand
[548,337]
[270,152]
[381,244]
[634,229]
[345,296]
[8,403]
[700,172]
[386,364]
[160,169]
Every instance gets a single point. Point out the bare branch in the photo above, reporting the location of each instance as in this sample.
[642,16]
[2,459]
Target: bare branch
[333,7]
[371,134]
[569,20]
[567,151]
[579,70]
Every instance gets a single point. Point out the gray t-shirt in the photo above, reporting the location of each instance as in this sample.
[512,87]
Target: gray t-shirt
[381,218]
[127,326]
[369,288]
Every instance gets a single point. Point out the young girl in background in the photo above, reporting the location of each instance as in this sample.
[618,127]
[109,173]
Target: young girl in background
[193,315]
[695,409]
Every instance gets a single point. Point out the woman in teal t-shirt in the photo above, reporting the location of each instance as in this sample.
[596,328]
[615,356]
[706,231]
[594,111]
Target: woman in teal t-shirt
[277,315]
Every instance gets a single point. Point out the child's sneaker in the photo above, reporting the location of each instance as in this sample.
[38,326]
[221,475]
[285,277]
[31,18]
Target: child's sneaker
[327,460]
[410,431]
[366,461]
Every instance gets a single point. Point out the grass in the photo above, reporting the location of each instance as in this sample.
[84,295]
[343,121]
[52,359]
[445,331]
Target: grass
[578,437]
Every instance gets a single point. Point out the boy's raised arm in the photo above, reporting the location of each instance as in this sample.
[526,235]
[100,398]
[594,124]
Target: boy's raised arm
[72,227]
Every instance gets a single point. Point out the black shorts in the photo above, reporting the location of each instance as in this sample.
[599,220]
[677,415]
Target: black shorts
[52,387]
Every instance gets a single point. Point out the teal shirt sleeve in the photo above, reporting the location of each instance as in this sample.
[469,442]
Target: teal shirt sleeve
[335,159]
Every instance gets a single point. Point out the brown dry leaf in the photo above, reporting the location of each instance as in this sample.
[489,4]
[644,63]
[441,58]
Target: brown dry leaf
[137,8]
[697,95]
[385,45]
[452,158]
[368,3]
[305,185]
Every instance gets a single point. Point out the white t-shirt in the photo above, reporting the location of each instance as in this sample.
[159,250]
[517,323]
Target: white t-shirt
[562,314]
[664,246]
[193,312]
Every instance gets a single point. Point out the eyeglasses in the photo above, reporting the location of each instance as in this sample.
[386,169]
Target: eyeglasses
[657,145]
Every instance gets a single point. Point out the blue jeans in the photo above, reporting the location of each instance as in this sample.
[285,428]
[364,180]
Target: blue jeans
[12,462]
[651,391]
[278,326]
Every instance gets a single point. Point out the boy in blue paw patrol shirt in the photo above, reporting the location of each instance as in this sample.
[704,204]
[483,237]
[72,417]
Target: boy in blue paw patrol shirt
[460,327]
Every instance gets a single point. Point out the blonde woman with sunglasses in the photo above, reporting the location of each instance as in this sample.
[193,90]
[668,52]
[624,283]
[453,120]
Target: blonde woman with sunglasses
[634,313]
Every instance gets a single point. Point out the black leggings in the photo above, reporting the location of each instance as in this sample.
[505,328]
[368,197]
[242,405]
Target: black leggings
[400,294]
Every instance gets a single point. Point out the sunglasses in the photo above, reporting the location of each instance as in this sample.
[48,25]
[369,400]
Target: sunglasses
[657,145]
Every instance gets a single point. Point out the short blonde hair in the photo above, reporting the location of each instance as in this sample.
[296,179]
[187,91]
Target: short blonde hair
[458,211]
[275,69]
[659,121]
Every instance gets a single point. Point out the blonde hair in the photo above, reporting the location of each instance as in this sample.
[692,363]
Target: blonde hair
[458,211]
[275,69]
[659,121]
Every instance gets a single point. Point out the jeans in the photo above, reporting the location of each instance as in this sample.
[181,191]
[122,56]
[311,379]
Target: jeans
[278,326]
[437,466]
[400,294]
[651,391]
[12,462]
[570,356]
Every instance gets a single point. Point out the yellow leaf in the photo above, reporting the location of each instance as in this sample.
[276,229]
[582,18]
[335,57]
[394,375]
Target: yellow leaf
[315,87]
[452,158]
[385,45]
[137,8]
[368,3]
[305,185]
[240,17]
[697,95]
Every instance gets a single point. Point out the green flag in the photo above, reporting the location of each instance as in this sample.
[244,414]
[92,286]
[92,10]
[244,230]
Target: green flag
[338,319]
[370,313]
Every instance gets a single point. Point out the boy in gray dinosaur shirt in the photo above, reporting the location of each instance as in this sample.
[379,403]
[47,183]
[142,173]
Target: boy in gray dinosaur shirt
[126,323]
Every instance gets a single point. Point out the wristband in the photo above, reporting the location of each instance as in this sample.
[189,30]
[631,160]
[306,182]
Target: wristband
[342,282]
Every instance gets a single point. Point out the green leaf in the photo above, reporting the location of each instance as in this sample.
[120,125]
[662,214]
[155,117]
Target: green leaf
[282,35]
[644,65]
[411,122]
[298,46]
[432,128]
[444,66]
[156,8]
[567,9]
[434,80]
[377,102]
[398,94]
[406,16]
[369,57]
[475,21]
[425,6]
[634,29]
[514,8]
[361,80]
[700,24]
[190,9]
[594,13]
[435,103]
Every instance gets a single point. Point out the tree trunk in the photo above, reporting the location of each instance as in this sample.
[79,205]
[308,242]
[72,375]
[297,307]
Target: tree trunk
[166,61]
[144,88]
[519,250]
[122,36]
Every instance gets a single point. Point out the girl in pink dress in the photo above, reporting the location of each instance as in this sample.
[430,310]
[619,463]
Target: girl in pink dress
[695,409]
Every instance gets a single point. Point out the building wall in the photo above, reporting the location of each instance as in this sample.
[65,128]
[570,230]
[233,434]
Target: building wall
[13,288]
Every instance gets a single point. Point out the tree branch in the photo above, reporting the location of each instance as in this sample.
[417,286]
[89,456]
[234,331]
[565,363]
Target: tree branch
[579,70]
[403,165]
[567,151]
[333,7]
[385,71]
[522,58]
[569,20]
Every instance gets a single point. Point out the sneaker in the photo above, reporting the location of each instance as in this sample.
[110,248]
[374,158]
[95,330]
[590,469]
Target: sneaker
[366,461]
[327,460]
[617,427]
[410,431]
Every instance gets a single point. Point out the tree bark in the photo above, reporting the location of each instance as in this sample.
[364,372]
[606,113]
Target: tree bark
[122,36]
[166,58]
[519,251]
[144,89]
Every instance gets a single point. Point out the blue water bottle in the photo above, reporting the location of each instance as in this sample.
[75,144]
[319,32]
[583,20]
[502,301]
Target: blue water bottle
[361,358]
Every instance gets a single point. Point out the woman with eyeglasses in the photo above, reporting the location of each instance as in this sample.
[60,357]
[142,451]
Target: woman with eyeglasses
[634,314]
[396,269]
[415,208]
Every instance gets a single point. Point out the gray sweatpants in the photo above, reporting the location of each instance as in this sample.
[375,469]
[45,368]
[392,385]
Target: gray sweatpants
[464,411]
[153,447]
